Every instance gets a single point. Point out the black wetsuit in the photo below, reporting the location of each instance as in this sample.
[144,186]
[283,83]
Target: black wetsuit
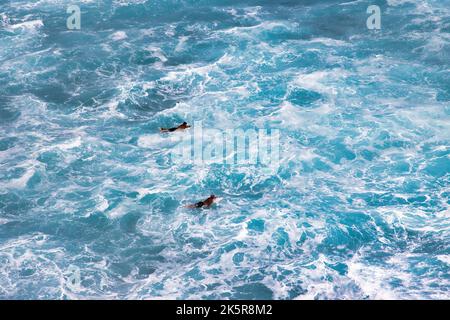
[182,126]
[199,204]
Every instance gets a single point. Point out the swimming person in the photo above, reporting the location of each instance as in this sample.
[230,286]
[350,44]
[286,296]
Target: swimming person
[207,203]
[182,126]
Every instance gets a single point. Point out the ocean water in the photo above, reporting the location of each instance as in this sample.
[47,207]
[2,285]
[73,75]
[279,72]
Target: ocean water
[91,201]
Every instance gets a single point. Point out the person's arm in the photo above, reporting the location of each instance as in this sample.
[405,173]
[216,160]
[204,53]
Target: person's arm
[196,205]
[167,130]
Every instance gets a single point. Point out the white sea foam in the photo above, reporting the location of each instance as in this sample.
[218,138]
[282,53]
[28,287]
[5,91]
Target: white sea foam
[117,212]
[119,35]
[398,2]
[21,182]
[29,25]
[444,258]
[71,144]
[102,204]
[317,81]
[159,140]
[373,280]
[328,41]
[181,44]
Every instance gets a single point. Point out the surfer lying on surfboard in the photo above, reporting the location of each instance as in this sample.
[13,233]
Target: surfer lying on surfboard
[182,126]
[203,204]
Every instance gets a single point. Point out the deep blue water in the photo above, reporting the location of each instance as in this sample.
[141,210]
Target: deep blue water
[357,209]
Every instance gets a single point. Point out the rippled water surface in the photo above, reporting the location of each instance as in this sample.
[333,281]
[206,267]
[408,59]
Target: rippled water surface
[357,209]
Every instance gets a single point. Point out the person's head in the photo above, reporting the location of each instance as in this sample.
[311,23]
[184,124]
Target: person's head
[213,196]
[184,123]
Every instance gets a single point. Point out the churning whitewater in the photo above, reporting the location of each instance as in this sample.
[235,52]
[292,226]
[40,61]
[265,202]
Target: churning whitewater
[93,205]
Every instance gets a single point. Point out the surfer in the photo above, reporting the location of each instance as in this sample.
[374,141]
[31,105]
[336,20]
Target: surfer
[182,126]
[207,203]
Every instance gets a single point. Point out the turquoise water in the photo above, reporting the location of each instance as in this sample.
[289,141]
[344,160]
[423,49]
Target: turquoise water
[357,209]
